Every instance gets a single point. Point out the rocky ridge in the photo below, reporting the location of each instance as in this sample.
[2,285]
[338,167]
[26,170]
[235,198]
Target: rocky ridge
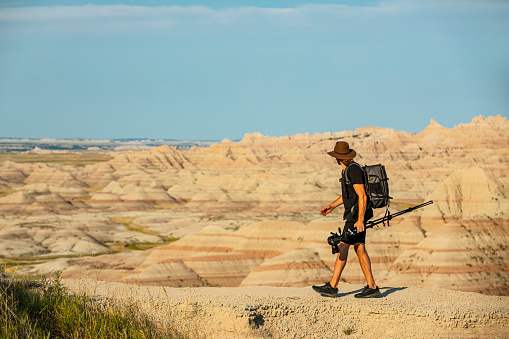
[290,312]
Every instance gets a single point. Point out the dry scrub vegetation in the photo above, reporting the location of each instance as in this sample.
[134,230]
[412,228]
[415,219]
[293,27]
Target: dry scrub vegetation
[46,308]
[79,159]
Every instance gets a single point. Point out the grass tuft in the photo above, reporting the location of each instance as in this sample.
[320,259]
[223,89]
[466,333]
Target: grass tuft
[348,330]
[46,309]
[4,193]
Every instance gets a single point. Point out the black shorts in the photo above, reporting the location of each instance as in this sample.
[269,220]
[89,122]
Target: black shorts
[356,238]
[351,219]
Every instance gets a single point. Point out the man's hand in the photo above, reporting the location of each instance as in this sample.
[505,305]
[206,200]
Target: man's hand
[326,210]
[360,226]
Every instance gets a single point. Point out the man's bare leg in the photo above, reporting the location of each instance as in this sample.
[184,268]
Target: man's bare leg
[365,262]
[340,264]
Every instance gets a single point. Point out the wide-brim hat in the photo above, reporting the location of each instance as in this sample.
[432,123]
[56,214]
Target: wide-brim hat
[342,151]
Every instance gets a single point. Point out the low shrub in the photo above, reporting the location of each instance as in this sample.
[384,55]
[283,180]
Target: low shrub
[46,309]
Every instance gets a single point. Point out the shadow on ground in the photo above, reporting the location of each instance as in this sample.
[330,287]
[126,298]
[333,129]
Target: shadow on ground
[385,291]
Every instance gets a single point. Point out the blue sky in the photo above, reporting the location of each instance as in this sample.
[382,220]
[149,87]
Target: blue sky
[213,70]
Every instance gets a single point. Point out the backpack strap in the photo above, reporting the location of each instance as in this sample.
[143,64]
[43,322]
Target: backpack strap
[366,184]
[347,180]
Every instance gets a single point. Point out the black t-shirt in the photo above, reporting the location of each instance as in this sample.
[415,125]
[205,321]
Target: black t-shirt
[350,198]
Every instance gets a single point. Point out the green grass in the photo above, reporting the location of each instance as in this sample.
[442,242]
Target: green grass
[46,309]
[4,193]
[148,245]
[130,226]
[79,159]
[11,264]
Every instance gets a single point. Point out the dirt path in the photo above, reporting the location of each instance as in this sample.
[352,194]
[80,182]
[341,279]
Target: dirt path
[285,312]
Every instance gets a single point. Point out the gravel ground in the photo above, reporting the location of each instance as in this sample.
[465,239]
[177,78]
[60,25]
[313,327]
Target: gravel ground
[287,312]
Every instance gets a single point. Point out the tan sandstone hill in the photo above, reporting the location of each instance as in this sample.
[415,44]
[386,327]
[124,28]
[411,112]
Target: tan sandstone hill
[247,212]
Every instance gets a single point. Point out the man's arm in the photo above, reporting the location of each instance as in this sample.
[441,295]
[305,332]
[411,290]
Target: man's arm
[363,202]
[327,209]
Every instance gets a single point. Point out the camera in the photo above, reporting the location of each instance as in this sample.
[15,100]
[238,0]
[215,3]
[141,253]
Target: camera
[334,241]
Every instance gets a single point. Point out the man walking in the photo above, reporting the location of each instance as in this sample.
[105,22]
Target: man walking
[356,213]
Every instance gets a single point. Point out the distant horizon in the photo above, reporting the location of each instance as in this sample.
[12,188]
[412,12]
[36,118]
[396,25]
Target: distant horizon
[102,139]
[126,139]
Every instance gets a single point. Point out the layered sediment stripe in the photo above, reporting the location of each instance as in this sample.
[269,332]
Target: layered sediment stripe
[223,270]
[299,267]
[289,266]
[448,269]
[464,255]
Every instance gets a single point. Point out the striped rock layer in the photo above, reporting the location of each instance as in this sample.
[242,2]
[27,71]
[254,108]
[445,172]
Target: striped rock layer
[245,212]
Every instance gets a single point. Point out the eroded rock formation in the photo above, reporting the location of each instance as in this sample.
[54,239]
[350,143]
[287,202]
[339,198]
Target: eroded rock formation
[247,212]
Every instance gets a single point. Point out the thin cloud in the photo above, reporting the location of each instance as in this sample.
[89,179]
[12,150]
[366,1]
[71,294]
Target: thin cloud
[122,18]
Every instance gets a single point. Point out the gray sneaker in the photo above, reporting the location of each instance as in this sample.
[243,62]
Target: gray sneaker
[326,290]
[368,293]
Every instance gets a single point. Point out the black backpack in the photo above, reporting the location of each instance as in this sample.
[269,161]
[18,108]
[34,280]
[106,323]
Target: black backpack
[375,183]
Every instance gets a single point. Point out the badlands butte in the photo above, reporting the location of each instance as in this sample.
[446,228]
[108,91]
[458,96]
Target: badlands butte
[246,213]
